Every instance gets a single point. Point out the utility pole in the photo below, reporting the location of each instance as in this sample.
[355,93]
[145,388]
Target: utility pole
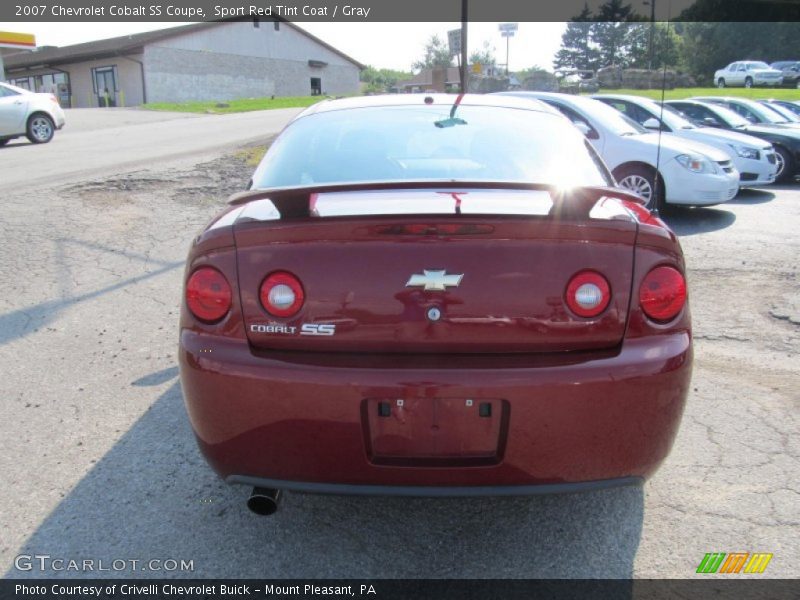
[464,66]
[507,30]
[650,48]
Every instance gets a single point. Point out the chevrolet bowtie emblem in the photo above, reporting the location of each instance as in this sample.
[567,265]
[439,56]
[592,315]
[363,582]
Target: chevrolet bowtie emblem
[434,280]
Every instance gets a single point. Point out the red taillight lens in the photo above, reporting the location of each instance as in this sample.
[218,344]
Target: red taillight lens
[663,293]
[588,294]
[208,294]
[282,294]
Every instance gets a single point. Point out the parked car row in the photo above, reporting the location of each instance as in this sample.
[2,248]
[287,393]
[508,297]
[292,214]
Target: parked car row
[752,118]
[686,152]
[662,168]
[750,73]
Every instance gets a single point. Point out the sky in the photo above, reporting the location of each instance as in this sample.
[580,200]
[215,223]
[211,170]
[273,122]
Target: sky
[534,43]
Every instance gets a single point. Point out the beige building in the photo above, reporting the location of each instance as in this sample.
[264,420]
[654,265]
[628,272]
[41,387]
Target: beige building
[201,61]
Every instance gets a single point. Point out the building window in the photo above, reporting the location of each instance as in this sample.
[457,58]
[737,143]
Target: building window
[277,25]
[26,83]
[48,83]
[256,24]
[316,86]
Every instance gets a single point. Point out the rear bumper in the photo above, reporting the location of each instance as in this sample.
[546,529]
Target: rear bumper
[430,491]
[59,119]
[302,425]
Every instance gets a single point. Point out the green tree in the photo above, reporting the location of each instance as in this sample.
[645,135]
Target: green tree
[577,50]
[380,80]
[525,73]
[706,47]
[612,33]
[665,46]
[484,56]
[437,54]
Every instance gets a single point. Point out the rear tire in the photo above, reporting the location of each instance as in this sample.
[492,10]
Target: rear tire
[748,83]
[721,83]
[643,181]
[786,165]
[40,129]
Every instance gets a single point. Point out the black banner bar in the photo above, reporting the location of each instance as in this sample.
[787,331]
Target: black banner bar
[385,10]
[736,587]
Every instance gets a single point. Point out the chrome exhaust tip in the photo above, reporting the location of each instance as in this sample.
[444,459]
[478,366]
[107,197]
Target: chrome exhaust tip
[264,501]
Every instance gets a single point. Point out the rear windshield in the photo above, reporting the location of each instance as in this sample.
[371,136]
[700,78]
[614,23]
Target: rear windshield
[421,143]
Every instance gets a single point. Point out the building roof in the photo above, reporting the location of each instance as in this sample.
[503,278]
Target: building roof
[53,55]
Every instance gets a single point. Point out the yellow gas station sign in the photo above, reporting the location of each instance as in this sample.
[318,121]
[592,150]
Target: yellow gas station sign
[23,41]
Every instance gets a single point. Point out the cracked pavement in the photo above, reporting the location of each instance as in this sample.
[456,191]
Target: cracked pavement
[98,460]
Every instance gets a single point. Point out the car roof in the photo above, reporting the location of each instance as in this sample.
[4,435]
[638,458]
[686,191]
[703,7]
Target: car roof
[584,101]
[628,97]
[686,100]
[732,99]
[423,99]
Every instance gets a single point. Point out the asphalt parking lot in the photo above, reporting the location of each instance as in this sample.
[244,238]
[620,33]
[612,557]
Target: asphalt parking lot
[98,460]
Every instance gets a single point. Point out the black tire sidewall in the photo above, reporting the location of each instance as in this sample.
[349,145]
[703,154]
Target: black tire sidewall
[788,166]
[657,202]
[31,138]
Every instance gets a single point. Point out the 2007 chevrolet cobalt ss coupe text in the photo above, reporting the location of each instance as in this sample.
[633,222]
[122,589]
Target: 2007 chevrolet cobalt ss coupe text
[434,295]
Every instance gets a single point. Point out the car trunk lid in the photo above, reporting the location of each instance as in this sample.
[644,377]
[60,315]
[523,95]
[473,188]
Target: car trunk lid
[434,271]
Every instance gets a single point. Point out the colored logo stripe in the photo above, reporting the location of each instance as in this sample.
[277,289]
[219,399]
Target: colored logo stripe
[758,563]
[734,562]
[714,562]
[711,562]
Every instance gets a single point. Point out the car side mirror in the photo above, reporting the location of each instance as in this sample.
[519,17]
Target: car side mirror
[587,131]
[652,123]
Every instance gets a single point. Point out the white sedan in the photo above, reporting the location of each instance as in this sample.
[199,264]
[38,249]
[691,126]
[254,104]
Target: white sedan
[754,158]
[661,169]
[36,116]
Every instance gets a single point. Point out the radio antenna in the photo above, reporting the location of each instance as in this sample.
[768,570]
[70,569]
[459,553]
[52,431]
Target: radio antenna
[663,98]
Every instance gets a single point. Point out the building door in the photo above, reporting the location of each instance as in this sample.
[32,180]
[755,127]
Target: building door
[105,84]
[316,86]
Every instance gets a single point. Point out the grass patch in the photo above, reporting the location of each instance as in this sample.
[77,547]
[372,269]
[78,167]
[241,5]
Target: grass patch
[252,156]
[235,106]
[681,93]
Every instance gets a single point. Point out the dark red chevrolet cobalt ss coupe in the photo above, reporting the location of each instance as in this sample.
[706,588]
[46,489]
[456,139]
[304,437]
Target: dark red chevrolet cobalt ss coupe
[434,295]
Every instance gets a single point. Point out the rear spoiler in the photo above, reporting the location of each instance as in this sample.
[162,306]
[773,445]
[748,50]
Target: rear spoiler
[298,203]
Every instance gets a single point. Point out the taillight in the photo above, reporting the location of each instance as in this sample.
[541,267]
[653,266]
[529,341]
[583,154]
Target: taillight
[282,294]
[208,294]
[588,294]
[663,293]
